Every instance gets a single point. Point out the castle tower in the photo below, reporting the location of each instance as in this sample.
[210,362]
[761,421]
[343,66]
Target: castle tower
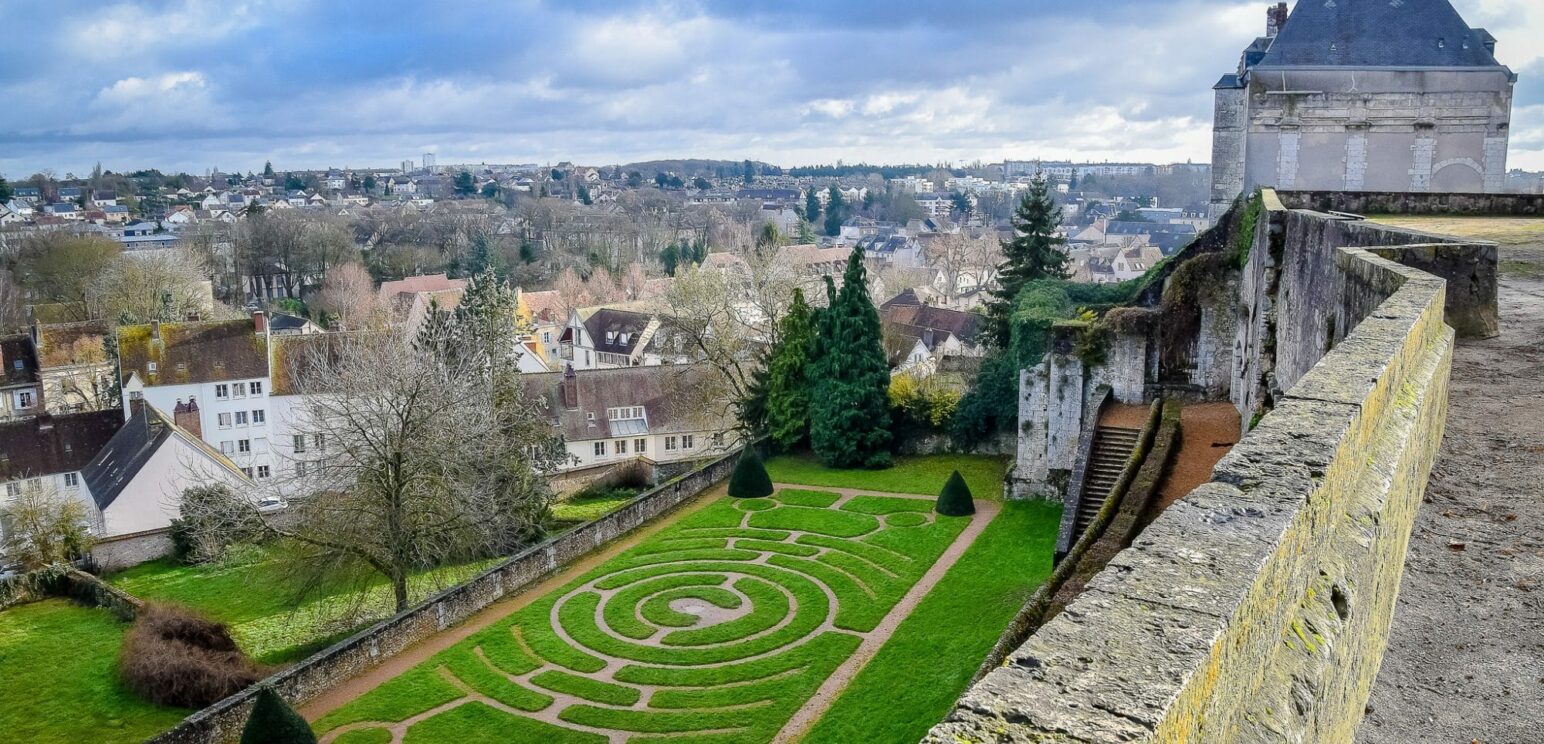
[1363,95]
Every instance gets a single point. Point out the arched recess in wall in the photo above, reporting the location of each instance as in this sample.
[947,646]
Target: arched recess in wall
[1458,174]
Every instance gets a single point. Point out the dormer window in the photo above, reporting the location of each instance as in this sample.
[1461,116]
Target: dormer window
[150,367]
[1441,43]
[611,337]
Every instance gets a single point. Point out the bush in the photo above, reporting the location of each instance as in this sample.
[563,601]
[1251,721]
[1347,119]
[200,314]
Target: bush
[750,479]
[955,500]
[173,656]
[274,722]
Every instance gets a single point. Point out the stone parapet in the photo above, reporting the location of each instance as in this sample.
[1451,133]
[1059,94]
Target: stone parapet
[1257,608]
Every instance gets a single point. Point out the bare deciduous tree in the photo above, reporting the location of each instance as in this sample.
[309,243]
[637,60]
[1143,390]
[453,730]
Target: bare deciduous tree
[416,461]
[167,285]
[348,294]
[44,526]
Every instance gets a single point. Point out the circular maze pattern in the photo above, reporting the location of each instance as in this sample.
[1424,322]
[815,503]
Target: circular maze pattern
[719,628]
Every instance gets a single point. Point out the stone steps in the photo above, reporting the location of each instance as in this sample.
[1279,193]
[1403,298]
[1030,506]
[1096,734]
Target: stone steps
[1111,449]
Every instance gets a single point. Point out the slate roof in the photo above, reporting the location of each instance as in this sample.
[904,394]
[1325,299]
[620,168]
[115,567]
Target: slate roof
[1377,33]
[962,325]
[193,352]
[602,389]
[48,445]
[130,449]
[15,349]
[615,331]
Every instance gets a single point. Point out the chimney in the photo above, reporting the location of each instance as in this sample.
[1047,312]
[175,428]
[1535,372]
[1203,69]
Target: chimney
[259,322]
[1275,19]
[136,406]
[185,416]
[155,330]
[570,388]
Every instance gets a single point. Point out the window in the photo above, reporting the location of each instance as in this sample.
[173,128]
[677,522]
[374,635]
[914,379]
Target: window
[241,418]
[319,442]
[247,471]
[718,439]
[222,391]
[589,418]
[600,449]
[300,443]
[227,447]
[255,388]
[150,367]
[225,420]
[262,471]
[16,364]
[238,390]
[258,417]
[72,480]
[688,441]
[670,444]
[621,446]
[243,445]
[546,337]
[624,413]
[300,469]
[640,446]
[13,489]
[24,399]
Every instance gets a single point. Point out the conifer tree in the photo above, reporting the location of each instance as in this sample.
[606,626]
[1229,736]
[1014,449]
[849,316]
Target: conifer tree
[849,394]
[1034,253]
[788,401]
[812,205]
[274,722]
[836,211]
[955,499]
[484,321]
[750,479]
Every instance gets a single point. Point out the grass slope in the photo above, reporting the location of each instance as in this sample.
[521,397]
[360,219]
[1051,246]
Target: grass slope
[59,681]
[915,678]
[924,474]
[256,600]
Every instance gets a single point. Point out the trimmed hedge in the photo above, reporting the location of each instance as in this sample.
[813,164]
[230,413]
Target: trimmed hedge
[750,479]
[955,499]
[274,722]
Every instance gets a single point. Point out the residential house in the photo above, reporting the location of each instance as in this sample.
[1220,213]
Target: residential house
[612,416]
[284,324]
[919,337]
[216,374]
[73,367]
[135,480]
[48,453]
[20,393]
[600,338]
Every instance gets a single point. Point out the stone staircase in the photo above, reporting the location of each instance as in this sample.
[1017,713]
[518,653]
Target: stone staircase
[1111,449]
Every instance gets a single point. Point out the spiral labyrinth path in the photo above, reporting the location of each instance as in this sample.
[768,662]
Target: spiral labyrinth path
[720,628]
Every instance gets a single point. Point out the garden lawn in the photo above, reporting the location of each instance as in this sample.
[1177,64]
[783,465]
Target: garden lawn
[914,680]
[59,680]
[724,611]
[584,507]
[255,598]
[921,474]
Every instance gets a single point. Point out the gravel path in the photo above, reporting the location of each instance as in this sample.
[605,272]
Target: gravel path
[1465,661]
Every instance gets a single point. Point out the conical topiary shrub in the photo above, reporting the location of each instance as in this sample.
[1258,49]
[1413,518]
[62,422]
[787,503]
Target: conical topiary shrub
[274,722]
[750,479]
[954,500]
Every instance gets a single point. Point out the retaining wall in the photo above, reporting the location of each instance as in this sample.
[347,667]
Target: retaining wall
[222,722]
[1257,608]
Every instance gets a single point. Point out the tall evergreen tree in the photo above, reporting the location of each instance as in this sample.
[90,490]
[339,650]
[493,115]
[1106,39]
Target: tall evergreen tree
[812,205]
[836,211]
[788,394]
[849,394]
[484,321]
[5,191]
[1034,253]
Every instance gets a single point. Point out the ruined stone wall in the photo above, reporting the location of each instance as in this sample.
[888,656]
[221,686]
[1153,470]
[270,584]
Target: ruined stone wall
[222,722]
[1257,608]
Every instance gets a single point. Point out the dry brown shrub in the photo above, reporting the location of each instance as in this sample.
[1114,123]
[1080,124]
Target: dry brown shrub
[174,656]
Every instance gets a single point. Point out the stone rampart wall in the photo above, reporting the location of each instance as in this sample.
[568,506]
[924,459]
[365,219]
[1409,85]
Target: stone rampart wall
[222,722]
[1257,608]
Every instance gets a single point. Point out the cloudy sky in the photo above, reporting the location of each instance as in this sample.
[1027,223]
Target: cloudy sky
[190,84]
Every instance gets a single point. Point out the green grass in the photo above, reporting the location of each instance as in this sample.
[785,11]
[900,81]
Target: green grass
[924,474]
[734,679]
[59,681]
[915,678]
[590,505]
[256,599]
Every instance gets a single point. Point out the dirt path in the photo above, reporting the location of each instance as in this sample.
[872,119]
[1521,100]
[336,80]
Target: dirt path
[1465,661]
[1207,432]
[875,639]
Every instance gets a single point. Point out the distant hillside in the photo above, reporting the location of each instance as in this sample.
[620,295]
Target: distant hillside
[691,168]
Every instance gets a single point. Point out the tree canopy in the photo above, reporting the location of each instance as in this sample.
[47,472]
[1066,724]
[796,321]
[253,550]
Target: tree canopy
[788,399]
[849,397]
[1034,253]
